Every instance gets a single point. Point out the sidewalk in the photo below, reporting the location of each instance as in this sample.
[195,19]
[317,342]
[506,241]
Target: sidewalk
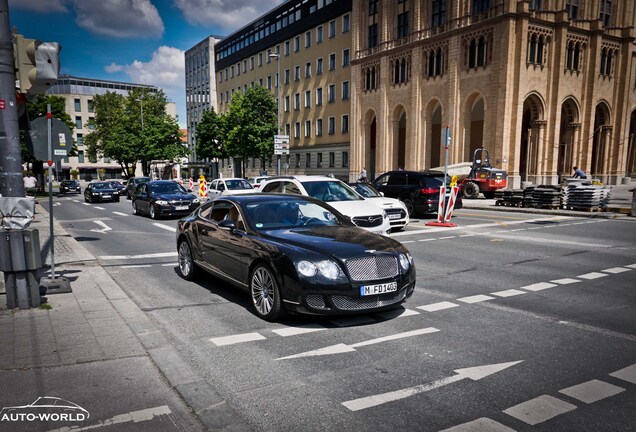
[620,206]
[96,348]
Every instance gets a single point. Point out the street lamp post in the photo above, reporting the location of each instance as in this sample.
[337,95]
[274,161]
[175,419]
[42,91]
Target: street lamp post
[278,82]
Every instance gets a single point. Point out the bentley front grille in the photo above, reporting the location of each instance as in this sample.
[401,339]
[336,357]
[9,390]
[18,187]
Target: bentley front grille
[372,267]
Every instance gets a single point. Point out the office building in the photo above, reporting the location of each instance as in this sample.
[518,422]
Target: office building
[200,87]
[309,42]
[79,94]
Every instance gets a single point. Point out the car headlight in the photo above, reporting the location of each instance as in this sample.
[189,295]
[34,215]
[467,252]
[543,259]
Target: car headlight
[195,201]
[405,262]
[161,202]
[95,193]
[327,268]
[306,268]
[384,214]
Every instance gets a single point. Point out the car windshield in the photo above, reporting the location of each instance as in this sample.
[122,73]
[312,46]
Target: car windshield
[166,188]
[141,180]
[330,191]
[289,214]
[101,186]
[115,184]
[366,190]
[238,184]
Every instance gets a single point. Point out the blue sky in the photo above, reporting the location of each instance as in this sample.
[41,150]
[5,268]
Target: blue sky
[140,41]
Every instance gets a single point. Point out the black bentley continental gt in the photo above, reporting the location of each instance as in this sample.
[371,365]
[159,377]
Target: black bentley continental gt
[294,253]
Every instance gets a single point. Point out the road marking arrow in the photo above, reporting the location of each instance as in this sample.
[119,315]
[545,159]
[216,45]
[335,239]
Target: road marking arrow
[103,225]
[473,373]
[343,348]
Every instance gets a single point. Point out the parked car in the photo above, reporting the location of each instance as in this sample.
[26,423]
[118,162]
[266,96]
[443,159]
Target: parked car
[337,194]
[121,189]
[163,198]
[419,191]
[132,183]
[100,192]
[70,186]
[294,253]
[256,181]
[229,186]
[395,209]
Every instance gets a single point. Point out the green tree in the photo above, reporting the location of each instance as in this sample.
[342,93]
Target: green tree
[38,108]
[250,124]
[209,135]
[134,128]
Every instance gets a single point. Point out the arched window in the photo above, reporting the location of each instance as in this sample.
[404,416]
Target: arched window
[540,50]
[472,52]
[603,61]
[533,49]
[481,52]
[431,63]
[577,56]
[438,62]
[569,56]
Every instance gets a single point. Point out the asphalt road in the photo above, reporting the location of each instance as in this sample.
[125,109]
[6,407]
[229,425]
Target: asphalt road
[519,322]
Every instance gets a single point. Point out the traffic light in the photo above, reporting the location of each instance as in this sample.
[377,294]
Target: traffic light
[37,64]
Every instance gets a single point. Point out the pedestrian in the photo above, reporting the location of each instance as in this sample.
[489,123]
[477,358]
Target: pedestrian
[363,175]
[30,184]
[579,173]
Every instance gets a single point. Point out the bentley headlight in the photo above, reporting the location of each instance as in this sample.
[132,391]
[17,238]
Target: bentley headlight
[95,193]
[306,268]
[161,202]
[329,269]
[404,262]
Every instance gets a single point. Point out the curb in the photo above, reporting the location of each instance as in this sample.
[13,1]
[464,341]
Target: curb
[209,407]
[610,213]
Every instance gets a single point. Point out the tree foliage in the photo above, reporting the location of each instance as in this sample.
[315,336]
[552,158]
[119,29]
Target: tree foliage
[210,140]
[134,128]
[250,124]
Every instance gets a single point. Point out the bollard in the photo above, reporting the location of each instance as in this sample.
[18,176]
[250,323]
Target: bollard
[19,261]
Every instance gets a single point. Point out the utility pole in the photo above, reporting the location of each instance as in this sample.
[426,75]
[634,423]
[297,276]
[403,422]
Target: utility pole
[37,67]
[11,183]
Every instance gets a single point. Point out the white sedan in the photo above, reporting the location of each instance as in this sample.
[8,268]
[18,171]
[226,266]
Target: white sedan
[395,209]
[229,186]
[337,194]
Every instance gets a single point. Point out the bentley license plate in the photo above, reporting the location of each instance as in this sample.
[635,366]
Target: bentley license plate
[366,290]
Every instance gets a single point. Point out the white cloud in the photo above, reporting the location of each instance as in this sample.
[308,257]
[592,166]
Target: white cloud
[228,14]
[119,18]
[39,6]
[166,70]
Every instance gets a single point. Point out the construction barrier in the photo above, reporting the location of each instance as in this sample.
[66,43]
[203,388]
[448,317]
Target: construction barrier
[203,188]
[451,204]
[191,184]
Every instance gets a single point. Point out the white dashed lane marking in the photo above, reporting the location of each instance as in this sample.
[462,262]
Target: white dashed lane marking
[538,286]
[120,213]
[626,374]
[593,275]
[565,281]
[395,313]
[483,424]
[616,270]
[239,338]
[475,299]
[166,227]
[592,391]
[633,266]
[508,293]
[293,331]
[99,208]
[539,409]
[434,307]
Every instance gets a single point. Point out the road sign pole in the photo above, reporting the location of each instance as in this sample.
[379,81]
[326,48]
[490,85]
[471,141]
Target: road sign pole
[49,116]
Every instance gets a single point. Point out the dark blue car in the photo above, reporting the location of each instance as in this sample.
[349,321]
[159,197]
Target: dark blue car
[163,198]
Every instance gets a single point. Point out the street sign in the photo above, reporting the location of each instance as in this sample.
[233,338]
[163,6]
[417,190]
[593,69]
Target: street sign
[61,139]
[281,139]
[446,137]
[281,151]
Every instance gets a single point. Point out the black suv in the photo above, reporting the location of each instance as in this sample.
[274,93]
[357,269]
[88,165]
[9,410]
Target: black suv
[418,190]
[132,184]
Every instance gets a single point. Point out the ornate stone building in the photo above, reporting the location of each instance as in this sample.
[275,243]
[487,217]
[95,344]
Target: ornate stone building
[544,85]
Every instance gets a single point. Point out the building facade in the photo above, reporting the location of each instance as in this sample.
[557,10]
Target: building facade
[301,51]
[200,87]
[79,94]
[545,85]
